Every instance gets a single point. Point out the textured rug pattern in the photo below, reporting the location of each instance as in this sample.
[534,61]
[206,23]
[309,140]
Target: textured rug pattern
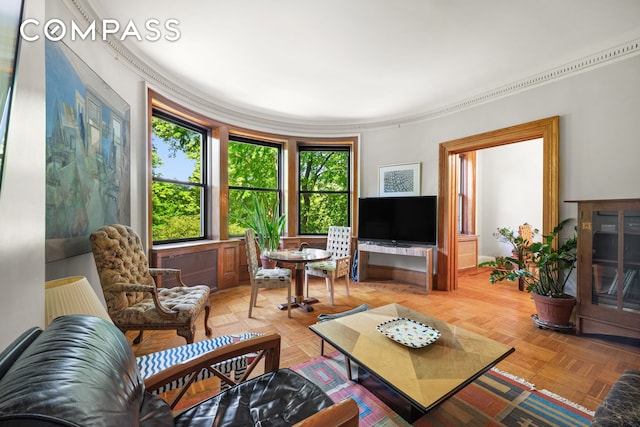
[494,399]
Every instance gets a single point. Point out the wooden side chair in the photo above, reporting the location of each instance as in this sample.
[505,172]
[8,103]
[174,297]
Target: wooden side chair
[339,244]
[134,301]
[268,278]
[526,233]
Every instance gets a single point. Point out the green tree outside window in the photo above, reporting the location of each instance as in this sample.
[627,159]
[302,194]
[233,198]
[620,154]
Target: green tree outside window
[323,189]
[254,169]
[177,187]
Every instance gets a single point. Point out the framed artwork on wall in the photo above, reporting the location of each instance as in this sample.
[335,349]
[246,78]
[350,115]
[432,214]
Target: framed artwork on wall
[399,180]
[88,144]
[10,18]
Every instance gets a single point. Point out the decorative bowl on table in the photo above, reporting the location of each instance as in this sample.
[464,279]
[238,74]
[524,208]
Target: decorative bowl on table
[408,332]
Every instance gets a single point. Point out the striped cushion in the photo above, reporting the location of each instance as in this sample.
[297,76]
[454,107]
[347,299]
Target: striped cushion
[153,363]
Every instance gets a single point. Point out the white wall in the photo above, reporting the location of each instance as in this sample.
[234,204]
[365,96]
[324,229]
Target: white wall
[509,192]
[598,155]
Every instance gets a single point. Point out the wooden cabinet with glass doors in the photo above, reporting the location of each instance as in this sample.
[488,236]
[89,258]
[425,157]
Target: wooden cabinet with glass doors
[609,267]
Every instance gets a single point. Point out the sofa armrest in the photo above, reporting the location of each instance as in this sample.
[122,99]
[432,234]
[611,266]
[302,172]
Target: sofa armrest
[342,414]
[265,347]
[10,354]
[620,406]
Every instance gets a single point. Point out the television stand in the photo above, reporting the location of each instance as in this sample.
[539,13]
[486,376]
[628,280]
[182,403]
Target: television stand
[364,248]
[393,244]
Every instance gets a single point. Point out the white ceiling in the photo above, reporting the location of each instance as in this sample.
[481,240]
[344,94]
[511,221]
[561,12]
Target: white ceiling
[366,61]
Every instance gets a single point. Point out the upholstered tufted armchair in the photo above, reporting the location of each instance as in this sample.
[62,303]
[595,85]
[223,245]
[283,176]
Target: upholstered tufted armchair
[134,301]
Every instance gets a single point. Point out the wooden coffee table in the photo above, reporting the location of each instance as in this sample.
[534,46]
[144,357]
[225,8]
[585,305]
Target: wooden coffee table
[411,380]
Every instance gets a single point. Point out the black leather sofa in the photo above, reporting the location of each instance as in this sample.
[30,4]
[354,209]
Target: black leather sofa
[621,406]
[81,371]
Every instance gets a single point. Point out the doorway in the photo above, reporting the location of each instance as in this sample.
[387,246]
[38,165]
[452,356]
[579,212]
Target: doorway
[448,185]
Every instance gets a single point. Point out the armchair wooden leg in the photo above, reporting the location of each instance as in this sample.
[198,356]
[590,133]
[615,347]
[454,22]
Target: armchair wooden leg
[188,333]
[207,328]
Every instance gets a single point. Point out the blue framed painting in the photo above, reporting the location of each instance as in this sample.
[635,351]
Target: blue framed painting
[88,149]
[10,18]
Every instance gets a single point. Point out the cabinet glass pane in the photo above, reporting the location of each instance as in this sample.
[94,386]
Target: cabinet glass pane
[630,287]
[605,259]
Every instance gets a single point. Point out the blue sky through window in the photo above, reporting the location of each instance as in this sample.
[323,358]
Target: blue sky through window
[179,167]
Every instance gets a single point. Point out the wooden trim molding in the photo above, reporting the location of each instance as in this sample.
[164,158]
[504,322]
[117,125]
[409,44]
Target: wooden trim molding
[547,129]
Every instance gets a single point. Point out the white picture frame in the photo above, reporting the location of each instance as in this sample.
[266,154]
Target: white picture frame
[399,180]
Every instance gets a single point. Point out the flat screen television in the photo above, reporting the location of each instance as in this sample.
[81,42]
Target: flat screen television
[398,221]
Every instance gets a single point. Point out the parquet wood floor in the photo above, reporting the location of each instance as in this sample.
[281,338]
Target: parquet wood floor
[579,368]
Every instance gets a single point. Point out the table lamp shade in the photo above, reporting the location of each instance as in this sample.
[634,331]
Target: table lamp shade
[72,295]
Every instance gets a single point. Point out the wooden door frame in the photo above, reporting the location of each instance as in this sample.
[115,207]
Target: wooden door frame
[547,129]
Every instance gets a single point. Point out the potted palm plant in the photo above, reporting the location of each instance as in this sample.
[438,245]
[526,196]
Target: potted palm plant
[268,226]
[552,266]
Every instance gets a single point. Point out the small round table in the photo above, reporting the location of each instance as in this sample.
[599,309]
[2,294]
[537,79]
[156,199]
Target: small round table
[299,258]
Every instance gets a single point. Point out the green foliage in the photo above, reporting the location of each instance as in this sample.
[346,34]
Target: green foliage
[178,227]
[324,190]
[324,186]
[252,172]
[176,207]
[253,166]
[553,264]
[321,211]
[263,218]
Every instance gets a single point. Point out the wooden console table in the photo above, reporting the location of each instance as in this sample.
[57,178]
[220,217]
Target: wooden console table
[420,251]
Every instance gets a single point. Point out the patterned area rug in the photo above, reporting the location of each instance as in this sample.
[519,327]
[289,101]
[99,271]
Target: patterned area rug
[494,399]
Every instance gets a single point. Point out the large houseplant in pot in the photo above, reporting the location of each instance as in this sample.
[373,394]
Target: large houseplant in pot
[519,243]
[552,264]
[268,225]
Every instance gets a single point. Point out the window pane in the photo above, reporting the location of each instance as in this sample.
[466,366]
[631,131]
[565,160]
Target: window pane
[238,199]
[324,170]
[323,189]
[177,211]
[176,152]
[253,169]
[318,211]
[178,183]
[253,165]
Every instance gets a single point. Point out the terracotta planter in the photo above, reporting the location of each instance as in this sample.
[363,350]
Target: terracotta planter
[267,263]
[555,311]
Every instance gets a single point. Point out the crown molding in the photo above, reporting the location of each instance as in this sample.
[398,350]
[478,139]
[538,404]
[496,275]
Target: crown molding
[268,122]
